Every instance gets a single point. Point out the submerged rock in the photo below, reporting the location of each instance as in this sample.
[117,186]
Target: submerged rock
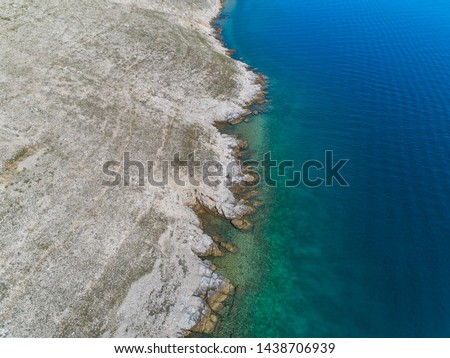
[250,194]
[243,145]
[241,224]
[228,246]
[257,204]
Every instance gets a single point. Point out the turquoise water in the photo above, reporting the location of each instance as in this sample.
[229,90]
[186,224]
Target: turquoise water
[370,80]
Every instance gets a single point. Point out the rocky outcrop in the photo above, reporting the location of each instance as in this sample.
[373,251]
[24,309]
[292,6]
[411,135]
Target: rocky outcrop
[229,209]
[214,299]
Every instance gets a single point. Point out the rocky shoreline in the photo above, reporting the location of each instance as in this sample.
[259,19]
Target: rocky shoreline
[215,299]
[81,85]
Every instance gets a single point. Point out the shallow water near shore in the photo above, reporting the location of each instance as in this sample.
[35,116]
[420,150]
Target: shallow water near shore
[369,80]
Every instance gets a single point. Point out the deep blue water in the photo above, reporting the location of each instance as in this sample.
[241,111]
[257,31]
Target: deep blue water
[370,80]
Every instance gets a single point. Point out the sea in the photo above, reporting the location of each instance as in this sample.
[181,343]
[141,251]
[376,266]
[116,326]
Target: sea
[368,80]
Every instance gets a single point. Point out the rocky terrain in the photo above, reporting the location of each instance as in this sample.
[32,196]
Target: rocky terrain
[82,82]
